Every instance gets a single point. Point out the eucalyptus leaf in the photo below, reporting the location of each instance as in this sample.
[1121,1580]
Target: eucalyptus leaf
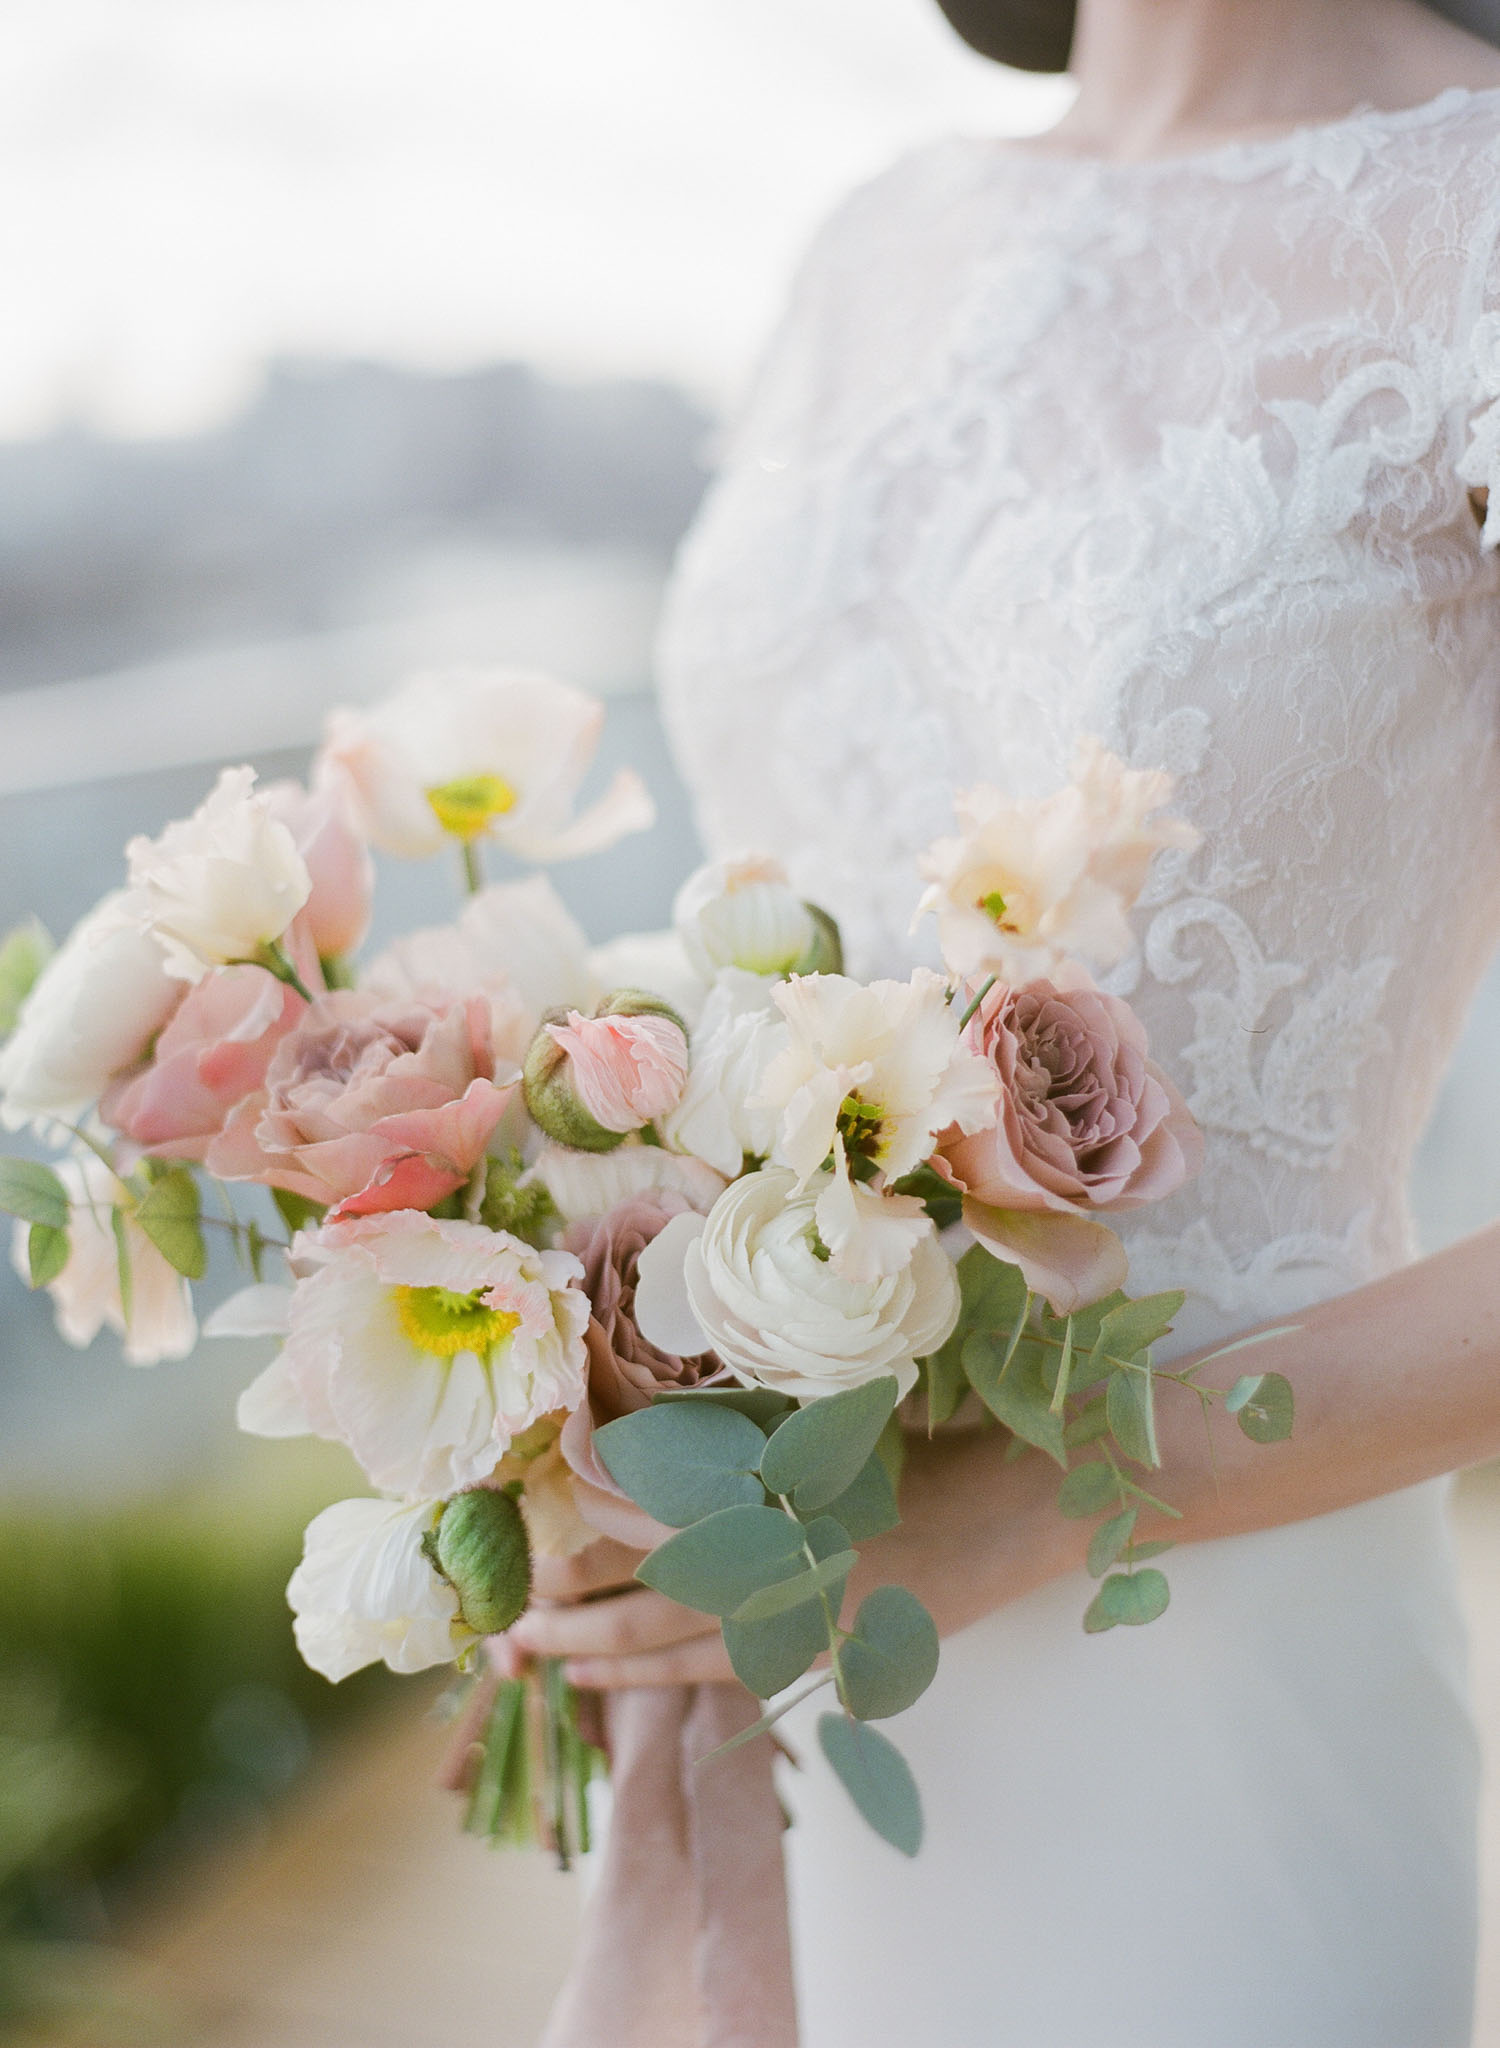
[824,1580]
[1109,1540]
[1134,1326]
[33,1192]
[682,1461]
[1088,1322]
[24,952]
[819,1452]
[1131,1407]
[1088,1425]
[770,1655]
[168,1214]
[1012,1384]
[765,1409]
[891,1656]
[716,1565]
[1095,1619]
[47,1252]
[1088,1489]
[868,1508]
[944,1381]
[1141,1551]
[123,1266]
[1133,1598]
[992,1292]
[939,1197]
[1267,1415]
[877,1778]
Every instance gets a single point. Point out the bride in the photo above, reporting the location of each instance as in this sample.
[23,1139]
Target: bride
[1175,427]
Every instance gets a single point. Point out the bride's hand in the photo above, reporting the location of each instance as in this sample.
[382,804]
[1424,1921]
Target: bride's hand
[976,1532]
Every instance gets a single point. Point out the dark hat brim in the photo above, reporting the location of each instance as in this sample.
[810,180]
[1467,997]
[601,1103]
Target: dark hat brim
[1030,35]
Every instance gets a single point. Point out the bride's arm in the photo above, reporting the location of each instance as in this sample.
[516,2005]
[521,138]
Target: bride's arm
[1395,1382]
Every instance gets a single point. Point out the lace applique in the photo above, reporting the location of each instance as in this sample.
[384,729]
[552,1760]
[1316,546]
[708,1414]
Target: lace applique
[1176,456]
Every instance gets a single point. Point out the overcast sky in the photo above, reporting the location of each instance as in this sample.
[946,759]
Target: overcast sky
[190,186]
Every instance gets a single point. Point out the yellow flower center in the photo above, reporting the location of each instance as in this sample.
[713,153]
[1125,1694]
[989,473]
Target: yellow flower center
[465,807]
[442,1323]
[859,1127]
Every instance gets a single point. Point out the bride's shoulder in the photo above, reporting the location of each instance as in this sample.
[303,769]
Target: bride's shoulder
[906,197]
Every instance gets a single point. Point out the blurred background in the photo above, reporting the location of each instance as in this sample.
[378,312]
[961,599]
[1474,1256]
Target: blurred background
[341,338]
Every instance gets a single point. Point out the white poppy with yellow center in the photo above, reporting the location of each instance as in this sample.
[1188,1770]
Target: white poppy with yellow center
[427,1347]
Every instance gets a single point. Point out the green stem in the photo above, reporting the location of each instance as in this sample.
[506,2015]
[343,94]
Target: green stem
[274,957]
[963,1020]
[473,865]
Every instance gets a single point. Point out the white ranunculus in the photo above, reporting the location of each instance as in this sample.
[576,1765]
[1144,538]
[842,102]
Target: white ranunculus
[1028,886]
[743,913]
[748,1281]
[366,1592]
[587,1184]
[86,1293]
[92,1014]
[479,753]
[515,943]
[723,1113]
[877,1066]
[221,885]
[424,1346]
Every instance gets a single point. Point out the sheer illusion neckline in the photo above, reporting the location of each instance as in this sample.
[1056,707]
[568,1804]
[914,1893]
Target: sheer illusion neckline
[1238,155]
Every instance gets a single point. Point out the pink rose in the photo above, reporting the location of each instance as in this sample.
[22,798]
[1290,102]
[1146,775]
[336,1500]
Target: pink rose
[212,1053]
[624,1371]
[1087,1122]
[370,1105]
[321,821]
[625,1070]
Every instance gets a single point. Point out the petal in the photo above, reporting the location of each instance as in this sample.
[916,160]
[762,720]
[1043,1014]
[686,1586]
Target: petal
[663,1311]
[1071,1260]
[262,1311]
[272,1406]
[626,806]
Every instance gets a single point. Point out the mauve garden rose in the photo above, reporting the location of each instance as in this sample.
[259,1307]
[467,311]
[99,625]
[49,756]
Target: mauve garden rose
[370,1106]
[624,1370]
[213,1052]
[1087,1122]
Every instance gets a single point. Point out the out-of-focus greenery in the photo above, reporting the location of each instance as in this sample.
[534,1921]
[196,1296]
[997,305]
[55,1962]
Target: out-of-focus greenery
[151,1700]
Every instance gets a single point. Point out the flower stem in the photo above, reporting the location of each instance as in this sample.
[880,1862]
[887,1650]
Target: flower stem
[274,958]
[963,1020]
[473,865]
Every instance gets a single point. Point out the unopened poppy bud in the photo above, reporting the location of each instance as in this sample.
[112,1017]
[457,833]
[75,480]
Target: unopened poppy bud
[825,949]
[482,1551]
[589,1081]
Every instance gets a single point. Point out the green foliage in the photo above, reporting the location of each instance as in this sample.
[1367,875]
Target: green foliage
[683,1460]
[765,1409]
[770,1655]
[1131,1598]
[1263,1406]
[876,1777]
[523,1207]
[168,1214]
[1009,1374]
[296,1211]
[24,952]
[819,1452]
[1131,1408]
[33,1192]
[1109,1540]
[716,1565]
[891,1655]
[1088,1489]
[868,1507]
[482,1550]
[47,1252]
[823,1581]
[942,1201]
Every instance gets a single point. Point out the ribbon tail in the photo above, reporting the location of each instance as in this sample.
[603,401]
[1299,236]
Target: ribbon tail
[735,1823]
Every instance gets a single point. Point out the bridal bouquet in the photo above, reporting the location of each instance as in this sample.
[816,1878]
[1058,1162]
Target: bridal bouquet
[671,1240]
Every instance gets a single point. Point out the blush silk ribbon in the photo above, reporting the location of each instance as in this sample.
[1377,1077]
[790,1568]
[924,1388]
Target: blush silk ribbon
[685,1941]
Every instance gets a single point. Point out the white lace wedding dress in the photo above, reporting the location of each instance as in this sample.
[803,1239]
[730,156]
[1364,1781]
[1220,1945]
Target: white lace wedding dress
[1177,454]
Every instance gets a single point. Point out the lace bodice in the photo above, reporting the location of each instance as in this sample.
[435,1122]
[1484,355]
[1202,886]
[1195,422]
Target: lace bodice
[1177,454]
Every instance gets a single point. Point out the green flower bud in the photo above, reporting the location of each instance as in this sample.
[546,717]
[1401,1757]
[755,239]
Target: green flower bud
[825,953]
[638,1002]
[483,1552]
[551,1101]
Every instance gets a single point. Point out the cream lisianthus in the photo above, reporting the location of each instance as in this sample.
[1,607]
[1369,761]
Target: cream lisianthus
[366,1591]
[723,1115]
[91,1016]
[744,913]
[222,885]
[424,1346]
[752,1282]
[86,1295]
[1027,885]
[477,753]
